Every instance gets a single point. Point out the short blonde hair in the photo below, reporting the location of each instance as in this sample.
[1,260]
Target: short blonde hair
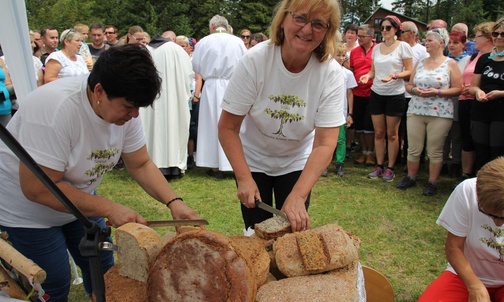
[182,39]
[485,28]
[329,8]
[340,50]
[81,27]
[490,188]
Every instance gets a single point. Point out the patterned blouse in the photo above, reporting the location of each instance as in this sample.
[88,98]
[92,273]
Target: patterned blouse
[438,78]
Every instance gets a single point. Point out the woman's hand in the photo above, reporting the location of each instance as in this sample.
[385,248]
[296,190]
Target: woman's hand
[364,79]
[248,192]
[494,94]
[349,121]
[465,91]
[481,96]
[478,293]
[294,208]
[180,210]
[120,215]
[387,79]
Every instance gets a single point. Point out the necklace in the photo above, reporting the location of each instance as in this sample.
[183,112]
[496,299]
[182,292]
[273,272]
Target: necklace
[496,54]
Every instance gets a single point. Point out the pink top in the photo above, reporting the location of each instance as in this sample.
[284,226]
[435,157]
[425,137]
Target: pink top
[467,76]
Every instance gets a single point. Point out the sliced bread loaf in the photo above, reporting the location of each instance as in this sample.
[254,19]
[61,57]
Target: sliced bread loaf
[254,248]
[341,248]
[272,228]
[139,246]
[123,289]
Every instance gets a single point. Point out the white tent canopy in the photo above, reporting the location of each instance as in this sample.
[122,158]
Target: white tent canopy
[15,40]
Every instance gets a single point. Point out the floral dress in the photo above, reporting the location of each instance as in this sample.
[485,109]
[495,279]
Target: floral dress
[438,78]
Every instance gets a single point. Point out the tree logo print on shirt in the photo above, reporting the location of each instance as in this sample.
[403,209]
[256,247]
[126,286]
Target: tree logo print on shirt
[495,242]
[287,102]
[101,158]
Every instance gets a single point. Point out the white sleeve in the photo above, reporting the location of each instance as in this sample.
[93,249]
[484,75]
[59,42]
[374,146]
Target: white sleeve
[455,216]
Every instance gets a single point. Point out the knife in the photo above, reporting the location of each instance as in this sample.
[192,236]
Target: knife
[174,222]
[270,209]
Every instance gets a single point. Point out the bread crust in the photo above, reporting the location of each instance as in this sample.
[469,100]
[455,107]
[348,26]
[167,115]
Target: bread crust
[255,249]
[272,228]
[123,289]
[342,249]
[336,286]
[139,246]
[201,265]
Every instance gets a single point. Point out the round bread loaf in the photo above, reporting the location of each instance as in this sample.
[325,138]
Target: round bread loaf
[201,266]
[123,289]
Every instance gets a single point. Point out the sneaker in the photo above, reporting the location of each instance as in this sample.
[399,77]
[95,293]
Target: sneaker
[361,159]
[430,189]
[388,175]
[377,172]
[340,171]
[370,160]
[324,174]
[405,183]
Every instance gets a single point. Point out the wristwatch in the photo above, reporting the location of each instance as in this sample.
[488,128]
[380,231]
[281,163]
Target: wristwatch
[350,114]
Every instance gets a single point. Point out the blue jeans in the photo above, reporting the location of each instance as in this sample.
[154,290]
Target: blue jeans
[48,249]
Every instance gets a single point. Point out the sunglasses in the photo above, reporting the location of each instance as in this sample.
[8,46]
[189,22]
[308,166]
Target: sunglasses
[490,215]
[496,34]
[386,28]
[245,37]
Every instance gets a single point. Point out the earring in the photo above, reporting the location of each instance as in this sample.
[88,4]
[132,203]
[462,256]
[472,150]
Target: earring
[98,102]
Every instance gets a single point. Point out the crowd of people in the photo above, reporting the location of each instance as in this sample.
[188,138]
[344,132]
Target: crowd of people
[275,114]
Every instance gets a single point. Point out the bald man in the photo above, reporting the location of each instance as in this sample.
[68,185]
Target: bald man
[462,27]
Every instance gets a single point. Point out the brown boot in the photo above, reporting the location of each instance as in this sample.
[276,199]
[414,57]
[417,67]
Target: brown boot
[370,160]
[361,159]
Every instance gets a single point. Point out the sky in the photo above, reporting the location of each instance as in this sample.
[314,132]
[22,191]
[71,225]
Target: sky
[386,4]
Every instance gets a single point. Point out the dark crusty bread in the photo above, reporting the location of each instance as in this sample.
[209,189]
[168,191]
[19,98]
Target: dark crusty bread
[254,248]
[201,266]
[272,228]
[123,289]
[342,249]
[139,247]
[335,286]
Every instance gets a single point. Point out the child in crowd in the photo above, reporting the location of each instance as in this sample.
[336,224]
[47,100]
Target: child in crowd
[350,83]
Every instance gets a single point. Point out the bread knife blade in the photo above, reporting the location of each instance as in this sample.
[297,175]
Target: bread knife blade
[270,209]
[176,222]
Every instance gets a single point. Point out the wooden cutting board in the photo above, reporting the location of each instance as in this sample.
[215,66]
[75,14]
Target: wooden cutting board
[378,288]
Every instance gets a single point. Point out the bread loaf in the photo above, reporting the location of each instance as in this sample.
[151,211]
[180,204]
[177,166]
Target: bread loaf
[139,246]
[341,248]
[272,228]
[123,289]
[336,286]
[201,266]
[255,250]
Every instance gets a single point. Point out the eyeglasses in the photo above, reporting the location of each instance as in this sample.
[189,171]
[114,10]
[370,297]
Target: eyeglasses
[405,31]
[139,38]
[490,215]
[362,37]
[245,37]
[110,32]
[496,34]
[317,25]
[386,28]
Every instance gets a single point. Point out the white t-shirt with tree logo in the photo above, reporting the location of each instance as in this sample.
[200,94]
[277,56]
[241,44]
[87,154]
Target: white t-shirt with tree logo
[283,108]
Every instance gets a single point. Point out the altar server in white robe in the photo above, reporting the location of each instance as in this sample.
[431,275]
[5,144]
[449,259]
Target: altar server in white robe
[166,123]
[214,58]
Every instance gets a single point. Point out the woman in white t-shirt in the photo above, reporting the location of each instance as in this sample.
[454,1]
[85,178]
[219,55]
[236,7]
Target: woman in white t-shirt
[288,96]
[76,129]
[66,62]
[474,219]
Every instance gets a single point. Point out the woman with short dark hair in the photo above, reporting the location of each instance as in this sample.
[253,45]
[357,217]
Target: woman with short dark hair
[76,129]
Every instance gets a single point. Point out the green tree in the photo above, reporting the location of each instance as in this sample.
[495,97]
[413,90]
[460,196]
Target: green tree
[283,115]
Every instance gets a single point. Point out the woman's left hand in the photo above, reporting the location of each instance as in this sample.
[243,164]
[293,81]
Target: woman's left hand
[494,94]
[294,208]
[387,79]
[180,210]
[349,121]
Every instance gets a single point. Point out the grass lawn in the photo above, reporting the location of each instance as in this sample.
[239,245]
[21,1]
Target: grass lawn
[398,229]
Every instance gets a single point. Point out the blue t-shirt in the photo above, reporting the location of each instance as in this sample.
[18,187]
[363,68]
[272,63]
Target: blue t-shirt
[6,105]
